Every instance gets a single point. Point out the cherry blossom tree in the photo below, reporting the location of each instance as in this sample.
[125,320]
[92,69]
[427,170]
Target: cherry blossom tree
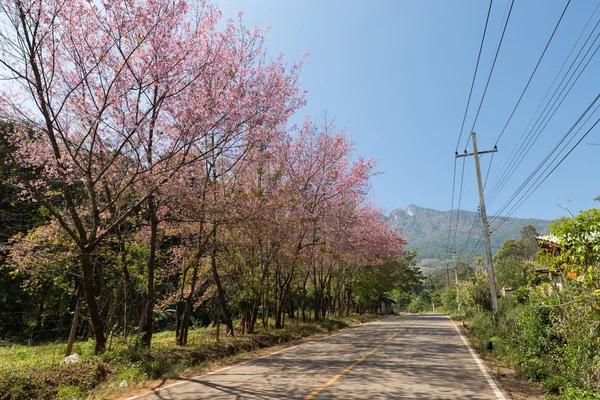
[124,95]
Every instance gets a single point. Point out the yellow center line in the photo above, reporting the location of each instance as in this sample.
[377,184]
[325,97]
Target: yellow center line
[345,370]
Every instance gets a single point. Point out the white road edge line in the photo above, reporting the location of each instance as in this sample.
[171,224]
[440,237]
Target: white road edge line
[137,396]
[482,366]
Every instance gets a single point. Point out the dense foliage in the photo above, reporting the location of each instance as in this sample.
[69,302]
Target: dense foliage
[148,169]
[548,327]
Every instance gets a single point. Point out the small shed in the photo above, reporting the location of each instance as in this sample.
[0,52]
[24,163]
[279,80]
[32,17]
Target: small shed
[384,305]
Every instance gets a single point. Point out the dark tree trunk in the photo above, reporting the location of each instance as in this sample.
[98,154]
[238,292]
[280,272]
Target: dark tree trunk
[317,305]
[304,296]
[278,314]
[253,317]
[90,298]
[149,309]
[185,320]
[349,302]
[178,311]
[73,328]
[220,292]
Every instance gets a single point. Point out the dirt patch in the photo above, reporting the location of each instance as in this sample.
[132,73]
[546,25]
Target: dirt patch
[517,387]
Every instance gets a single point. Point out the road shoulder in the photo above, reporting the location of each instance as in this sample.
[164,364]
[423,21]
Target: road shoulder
[509,382]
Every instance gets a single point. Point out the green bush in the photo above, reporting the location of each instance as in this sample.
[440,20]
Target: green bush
[479,291]
[522,294]
[414,306]
[536,333]
[573,393]
[69,393]
[554,383]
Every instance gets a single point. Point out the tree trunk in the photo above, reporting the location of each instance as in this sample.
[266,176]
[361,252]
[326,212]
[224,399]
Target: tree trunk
[317,304]
[278,313]
[253,317]
[90,298]
[73,328]
[266,304]
[185,320]
[349,302]
[304,296]
[220,292]
[218,330]
[149,322]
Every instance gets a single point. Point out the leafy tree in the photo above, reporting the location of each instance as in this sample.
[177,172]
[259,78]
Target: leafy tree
[123,97]
[579,239]
[514,262]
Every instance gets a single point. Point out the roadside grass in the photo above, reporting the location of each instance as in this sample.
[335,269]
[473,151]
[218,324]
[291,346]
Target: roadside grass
[39,372]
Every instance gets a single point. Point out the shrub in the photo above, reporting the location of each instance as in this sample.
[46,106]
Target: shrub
[573,393]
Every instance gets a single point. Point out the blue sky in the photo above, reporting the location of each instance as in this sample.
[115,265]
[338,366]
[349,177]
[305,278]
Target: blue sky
[397,74]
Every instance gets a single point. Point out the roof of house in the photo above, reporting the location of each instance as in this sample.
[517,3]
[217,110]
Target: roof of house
[387,299]
[548,241]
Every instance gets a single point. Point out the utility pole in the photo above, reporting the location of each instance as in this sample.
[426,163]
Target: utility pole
[447,274]
[455,278]
[486,231]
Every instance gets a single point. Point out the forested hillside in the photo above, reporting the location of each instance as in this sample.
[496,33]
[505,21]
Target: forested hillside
[427,230]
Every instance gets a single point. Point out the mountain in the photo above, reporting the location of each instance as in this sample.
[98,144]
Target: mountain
[427,230]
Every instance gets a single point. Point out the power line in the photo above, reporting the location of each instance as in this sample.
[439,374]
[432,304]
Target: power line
[529,142]
[487,19]
[488,171]
[475,247]
[552,151]
[516,158]
[491,70]
[474,74]
[516,207]
[471,230]
[541,164]
[534,71]
[462,176]
[452,207]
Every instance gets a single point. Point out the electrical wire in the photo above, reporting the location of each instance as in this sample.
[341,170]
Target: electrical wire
[547,175]
[534,71]
[491,71]
[487,19]
[452,207]
[462,178]
[516,158]
[471,230]
[529,191]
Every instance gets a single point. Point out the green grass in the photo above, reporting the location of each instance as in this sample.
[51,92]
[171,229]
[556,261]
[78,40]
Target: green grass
[39,372]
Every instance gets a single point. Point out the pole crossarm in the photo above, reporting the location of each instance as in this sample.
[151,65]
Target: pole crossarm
[456,155]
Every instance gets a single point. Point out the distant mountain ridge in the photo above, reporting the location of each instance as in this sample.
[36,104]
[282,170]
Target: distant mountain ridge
[427,230]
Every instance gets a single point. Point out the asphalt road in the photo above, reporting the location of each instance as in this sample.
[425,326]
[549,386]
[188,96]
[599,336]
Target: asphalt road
[402,357]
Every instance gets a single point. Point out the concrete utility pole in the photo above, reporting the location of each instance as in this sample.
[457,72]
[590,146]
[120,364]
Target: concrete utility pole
[455,277]
[486,231]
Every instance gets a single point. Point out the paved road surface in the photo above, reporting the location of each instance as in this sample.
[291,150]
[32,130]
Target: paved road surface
[402,357]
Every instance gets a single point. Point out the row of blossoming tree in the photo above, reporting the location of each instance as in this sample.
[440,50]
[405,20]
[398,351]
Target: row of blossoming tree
[156,139]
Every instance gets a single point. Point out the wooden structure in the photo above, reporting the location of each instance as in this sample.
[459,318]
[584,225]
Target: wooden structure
[550,244]
[384,305]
